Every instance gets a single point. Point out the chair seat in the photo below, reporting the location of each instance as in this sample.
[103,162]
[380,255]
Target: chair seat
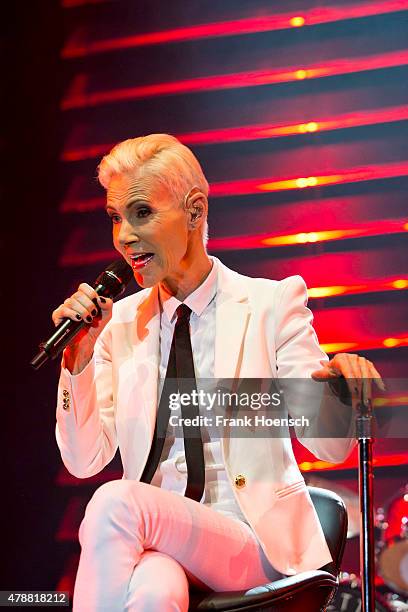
[308,591]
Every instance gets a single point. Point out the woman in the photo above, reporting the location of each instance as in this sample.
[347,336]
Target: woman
[142,542]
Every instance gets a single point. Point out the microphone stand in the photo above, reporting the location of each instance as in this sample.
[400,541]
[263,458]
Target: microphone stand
[364,435]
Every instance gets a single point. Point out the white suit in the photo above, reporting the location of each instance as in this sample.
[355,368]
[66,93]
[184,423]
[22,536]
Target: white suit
[263,330]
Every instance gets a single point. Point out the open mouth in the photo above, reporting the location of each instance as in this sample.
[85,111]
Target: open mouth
[141,260]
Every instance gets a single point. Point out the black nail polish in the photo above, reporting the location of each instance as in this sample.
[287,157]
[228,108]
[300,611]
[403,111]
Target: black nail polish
[89,319]
[78,316]
[103,300]
[95,301]
[94,312]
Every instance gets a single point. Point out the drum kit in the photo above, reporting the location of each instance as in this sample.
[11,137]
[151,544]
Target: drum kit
[391,527]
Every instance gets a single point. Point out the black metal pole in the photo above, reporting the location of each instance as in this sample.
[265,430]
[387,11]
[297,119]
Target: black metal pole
[364,435]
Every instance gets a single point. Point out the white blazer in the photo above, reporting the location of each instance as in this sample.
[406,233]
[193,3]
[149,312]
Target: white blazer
[263,330]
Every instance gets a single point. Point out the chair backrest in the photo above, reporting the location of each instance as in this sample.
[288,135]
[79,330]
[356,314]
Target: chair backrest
[332,514]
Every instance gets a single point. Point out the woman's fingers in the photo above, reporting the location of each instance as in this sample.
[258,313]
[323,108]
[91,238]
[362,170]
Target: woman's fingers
[365,377]
[105,304]
[84,304]
[376,376]
[359,373]
[356,373]
[65,312]
[75,309]
[346,363]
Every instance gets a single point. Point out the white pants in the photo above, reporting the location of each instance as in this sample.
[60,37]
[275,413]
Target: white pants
[140,543]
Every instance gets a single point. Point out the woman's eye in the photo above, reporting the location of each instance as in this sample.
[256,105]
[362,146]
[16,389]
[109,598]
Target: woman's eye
[142,212]
[115,218]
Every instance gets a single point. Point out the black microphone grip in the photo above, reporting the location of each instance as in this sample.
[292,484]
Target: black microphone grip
[111,283]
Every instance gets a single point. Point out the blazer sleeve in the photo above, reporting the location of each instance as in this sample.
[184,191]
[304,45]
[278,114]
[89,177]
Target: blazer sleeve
[85,429]
[329,434]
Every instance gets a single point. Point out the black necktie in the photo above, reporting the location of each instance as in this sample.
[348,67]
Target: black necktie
[180,373]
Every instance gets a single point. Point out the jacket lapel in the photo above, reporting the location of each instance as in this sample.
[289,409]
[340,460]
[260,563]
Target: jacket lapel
[146,353]
[232,316]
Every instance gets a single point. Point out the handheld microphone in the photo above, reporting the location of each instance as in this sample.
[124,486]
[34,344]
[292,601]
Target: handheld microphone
[110,283]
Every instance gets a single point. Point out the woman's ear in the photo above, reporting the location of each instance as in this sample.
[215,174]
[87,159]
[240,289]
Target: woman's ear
[196,206]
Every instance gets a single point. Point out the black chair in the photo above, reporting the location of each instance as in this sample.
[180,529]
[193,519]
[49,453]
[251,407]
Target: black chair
[309,591]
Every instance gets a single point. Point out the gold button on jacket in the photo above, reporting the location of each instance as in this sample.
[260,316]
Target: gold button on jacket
[240,481]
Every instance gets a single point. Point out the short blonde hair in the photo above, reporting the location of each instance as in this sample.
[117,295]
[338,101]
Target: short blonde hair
[161,156]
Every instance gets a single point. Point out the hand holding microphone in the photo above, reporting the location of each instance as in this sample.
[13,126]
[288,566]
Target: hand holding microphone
[83,316]
[94,312]
[87,306]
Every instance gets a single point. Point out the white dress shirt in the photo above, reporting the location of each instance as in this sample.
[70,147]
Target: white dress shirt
[171,473]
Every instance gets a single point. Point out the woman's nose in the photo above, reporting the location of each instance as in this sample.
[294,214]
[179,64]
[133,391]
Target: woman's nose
[126,233]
